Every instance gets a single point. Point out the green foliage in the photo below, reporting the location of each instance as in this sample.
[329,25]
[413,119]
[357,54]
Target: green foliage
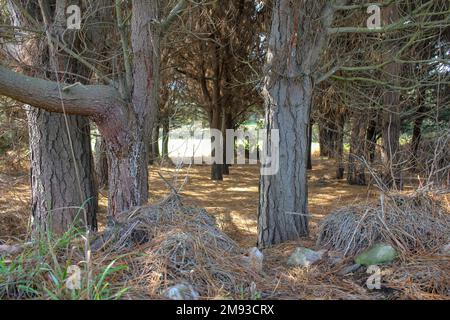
[42,271]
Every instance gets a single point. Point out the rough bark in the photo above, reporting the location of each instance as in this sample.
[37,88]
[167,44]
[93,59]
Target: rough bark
[124,123]
[392,175]
[295,46]
[62,179]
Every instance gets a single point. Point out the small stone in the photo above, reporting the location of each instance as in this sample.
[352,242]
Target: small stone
[349,269]
[378,254]
[181,291]
[335,258]
[304,257]
[10,250]
[254,259]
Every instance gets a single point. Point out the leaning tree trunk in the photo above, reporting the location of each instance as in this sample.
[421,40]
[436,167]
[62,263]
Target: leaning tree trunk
[296,43]
[165,138]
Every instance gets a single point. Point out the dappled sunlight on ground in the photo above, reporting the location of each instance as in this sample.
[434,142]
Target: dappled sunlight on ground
[233,201]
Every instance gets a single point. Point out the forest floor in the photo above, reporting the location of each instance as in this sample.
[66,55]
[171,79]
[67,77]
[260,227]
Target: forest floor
[234,203]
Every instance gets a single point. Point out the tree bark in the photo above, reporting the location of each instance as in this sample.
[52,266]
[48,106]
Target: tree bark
[165,138]
[154,145]
[62,179]
[392,176]
[215,123]
[309,152]
[101,163]
[356,171]
[296,42]
[227,124]
[339,148]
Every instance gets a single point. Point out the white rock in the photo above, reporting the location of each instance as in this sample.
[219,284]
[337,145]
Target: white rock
[10,250]
[181,291]
[254,259]
[305,257]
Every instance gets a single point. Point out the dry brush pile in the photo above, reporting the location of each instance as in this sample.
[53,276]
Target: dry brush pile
[416,224]
[172,244]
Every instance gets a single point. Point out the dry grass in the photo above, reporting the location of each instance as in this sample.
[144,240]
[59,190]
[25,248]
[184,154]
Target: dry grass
[162,247]
[413,223]
[179,244]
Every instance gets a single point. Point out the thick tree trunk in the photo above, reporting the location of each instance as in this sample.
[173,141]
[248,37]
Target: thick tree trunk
[283,208]
[297,40]
[62,179]
[392,175]
[128,148]
[124,120]
[57,194]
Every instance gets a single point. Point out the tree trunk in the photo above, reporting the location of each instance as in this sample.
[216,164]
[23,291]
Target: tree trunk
[371,139]
[57,194]
[339,148]
[415,141]
[309,152]
[62,179]
[216,168]
[128,148]
[296,42]
[324,141]
[392,176]
[101,163]
[226,124]
[165,138]
[154,145]
[356,173]
[125,119]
